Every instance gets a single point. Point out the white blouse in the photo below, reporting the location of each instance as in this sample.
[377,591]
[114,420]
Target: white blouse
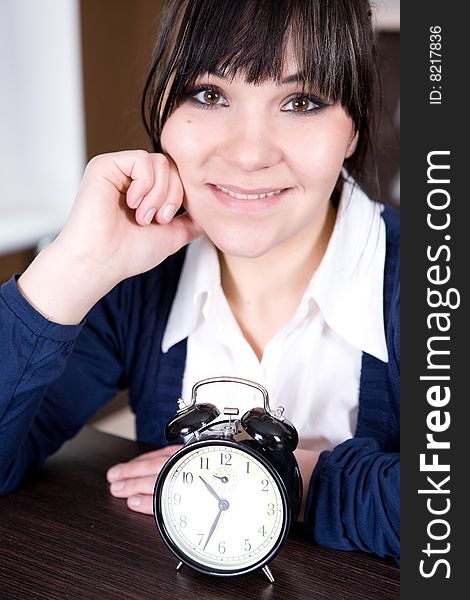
[312,366]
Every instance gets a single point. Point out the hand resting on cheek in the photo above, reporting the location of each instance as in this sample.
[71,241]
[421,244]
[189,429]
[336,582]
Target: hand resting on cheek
[122,224]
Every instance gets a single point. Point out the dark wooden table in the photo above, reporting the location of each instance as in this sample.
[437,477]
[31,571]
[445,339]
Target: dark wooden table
[62,535]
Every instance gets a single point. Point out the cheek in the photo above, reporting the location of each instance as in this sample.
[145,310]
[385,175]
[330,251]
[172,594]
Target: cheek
[183,141]
[320,156]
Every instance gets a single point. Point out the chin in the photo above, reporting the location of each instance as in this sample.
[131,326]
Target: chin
[241,246]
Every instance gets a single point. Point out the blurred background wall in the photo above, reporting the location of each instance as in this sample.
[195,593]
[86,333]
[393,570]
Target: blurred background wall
[41,123]
[71,76]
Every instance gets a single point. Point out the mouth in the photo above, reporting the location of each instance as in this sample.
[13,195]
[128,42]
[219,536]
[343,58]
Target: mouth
[241,200]
[243,194]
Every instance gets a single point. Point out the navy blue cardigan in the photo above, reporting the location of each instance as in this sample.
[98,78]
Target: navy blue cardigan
[55,377]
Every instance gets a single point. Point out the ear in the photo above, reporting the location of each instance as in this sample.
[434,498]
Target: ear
[352,145]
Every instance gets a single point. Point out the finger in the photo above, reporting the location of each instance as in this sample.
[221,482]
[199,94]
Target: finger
[136,468]
[155,197]
[130,172]
[150,462]
[174,196]
[131,487]
[142,175]
[141,503]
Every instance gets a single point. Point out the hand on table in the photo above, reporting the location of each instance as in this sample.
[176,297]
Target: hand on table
[135,480]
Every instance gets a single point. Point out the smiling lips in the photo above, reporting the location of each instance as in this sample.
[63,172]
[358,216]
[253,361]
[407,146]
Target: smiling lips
[257,194]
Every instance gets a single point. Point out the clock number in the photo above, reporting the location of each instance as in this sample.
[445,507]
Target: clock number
[270,509]
[204,462]
[222,548]
[187,477]
[247,466]
[176,498]
[183,522]
[201,537]
[261,530]
[247,545]
[226,459]
[265,484]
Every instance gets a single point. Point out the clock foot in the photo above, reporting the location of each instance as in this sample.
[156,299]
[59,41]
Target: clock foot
[269,575]
[179,565]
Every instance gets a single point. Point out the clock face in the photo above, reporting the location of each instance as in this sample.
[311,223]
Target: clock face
[221,508]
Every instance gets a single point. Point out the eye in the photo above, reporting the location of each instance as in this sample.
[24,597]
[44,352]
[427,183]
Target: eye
[207,97]
[302,104]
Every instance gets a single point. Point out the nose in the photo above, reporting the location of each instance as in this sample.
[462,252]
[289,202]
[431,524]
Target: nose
[249,143]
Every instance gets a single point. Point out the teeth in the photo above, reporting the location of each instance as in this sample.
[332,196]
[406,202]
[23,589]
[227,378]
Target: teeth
[248,196]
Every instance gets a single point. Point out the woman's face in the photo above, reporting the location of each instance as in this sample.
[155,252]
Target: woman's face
[258,163]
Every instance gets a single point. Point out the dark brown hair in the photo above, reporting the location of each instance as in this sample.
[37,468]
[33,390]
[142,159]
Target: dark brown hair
[332,40]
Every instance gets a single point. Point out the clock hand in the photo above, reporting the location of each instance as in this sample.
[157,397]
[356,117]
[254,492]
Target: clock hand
[223,479]
[210,488]
[212,529]
[223,506]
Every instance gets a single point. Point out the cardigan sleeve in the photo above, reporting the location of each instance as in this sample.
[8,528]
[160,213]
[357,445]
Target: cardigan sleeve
[353,500]
[53,379]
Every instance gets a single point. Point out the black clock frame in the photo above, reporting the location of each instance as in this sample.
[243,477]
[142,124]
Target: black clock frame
[247,447]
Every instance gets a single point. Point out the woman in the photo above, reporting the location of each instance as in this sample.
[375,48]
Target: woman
[259,114]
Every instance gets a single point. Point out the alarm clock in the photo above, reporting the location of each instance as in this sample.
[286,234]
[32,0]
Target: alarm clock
[224,502]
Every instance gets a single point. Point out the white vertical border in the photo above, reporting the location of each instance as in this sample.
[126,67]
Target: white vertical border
[42,135]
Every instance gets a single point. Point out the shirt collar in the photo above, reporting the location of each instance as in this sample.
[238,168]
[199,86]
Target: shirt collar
[347,286]
[199,278]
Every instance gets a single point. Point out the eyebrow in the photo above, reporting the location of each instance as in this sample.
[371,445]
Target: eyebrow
[295,78]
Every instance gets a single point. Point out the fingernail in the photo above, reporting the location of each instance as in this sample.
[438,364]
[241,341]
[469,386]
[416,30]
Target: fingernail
[168,211]
[114,473]
[149,216]
[117,486]
[138,201]
[136,501]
